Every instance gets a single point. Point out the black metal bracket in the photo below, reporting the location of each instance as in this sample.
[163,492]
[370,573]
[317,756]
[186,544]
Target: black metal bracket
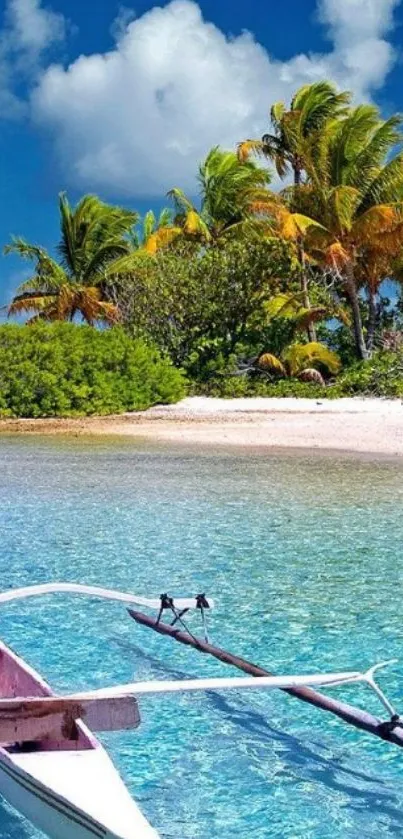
[202,602]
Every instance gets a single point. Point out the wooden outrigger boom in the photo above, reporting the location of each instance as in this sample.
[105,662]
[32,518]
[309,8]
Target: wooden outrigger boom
[391,730]
[106,707]
[55,771]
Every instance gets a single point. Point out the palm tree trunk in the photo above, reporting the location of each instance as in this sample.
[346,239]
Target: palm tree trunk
[352,295]
[372,320]
[311,331]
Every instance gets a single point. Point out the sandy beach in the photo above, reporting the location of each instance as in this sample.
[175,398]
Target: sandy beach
[373,426]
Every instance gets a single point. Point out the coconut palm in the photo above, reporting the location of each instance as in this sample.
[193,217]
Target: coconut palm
[296,143]
[93,235]
[146,239]
[153,233]
[297,131]
[228,188]
[355,201]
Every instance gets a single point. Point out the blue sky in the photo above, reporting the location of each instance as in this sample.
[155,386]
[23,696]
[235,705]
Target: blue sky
[125,102]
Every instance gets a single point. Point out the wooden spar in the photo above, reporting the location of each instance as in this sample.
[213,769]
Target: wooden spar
[96,591]
[348,713]
[33,718]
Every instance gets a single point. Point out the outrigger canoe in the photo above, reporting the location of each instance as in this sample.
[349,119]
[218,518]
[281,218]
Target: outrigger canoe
[55,772]
[59,776]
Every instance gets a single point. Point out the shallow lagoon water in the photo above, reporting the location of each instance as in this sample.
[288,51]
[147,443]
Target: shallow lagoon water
[303,556]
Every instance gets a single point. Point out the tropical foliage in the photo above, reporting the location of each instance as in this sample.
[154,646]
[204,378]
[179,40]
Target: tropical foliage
[62,369]
[354,196]
[302,361]
[201,308]
[228,190]
[282,285]
[93,235]
[297,133]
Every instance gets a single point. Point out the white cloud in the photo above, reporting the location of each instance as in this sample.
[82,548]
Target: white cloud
[124,16]
[361,57]
[32,28]
[357,20]
[28,34]
[137,119]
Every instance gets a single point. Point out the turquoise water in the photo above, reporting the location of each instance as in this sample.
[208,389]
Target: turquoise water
[304,558]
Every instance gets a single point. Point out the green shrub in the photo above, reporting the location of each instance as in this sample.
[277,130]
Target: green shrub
[50,370]
[230,387]
[382,375]
[199,305]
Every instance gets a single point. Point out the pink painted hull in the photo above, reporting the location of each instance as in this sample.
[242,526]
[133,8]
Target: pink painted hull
[69,789]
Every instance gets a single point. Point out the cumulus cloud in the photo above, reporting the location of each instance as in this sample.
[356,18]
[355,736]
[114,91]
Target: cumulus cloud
[136,119]
[124,16]
[32,28]
[358,29]
[28,34]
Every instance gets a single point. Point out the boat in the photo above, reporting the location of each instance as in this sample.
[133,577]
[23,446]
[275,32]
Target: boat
[59,776]
[53,769]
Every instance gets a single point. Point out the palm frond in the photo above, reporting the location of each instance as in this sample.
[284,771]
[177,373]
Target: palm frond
[350,139]
[34,302]
[162,238]
[149,225]
[283,305]
[181,202]
[337,256]
[299,355]
[317,103]
[364,167]
[19,246]
[165,217]
[267,361]
[309,374]
[375,222]
[277,112]
[342,203]
[386,186]
[94,271]
[249,147]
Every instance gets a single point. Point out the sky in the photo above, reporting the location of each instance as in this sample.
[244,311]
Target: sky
[125,101]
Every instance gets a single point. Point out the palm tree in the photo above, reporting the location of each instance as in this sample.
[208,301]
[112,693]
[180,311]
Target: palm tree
[297,131]
[300,361]
[153,233]
[355,201]
[296,143]
[228,188]
[93,235]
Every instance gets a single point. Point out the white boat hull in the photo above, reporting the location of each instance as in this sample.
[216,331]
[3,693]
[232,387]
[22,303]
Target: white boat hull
[66,786]
[72,795]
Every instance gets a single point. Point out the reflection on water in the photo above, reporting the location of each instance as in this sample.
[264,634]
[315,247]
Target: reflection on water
[304,558]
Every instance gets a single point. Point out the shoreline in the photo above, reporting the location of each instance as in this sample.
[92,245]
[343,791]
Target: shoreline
[353,426]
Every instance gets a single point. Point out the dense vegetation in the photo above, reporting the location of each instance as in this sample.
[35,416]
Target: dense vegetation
[248,290]
[65,370]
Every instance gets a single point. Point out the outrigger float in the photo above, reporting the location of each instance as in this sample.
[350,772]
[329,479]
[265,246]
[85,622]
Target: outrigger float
[56,773]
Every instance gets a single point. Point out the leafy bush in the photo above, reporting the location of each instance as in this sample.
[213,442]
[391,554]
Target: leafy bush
[233,387]
[382,375]
[224,383]
[64,370]
[199,305]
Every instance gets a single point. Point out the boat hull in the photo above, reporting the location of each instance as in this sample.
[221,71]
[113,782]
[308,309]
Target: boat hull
[42,808]
[67,787]
[73,795]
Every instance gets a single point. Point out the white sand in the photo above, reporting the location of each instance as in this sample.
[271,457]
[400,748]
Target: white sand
[373,426]
[203,406]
